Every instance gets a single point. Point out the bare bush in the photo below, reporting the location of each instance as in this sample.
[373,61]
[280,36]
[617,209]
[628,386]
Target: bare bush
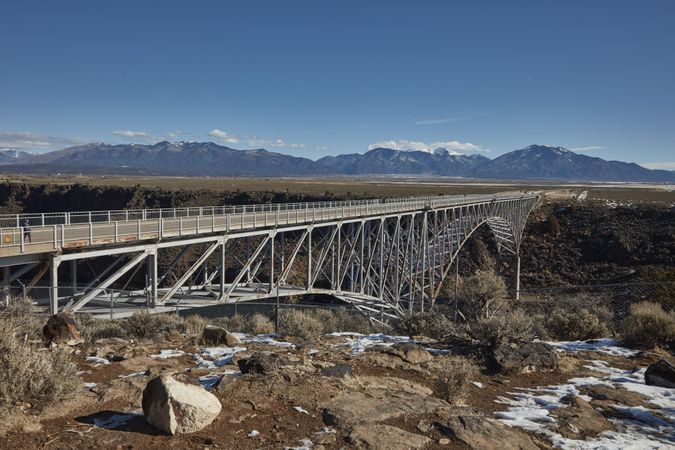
[648,326]
[294,322]
[453,378]
[481,296]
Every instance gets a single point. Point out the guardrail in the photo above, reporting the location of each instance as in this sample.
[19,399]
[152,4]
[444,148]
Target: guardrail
[33,232]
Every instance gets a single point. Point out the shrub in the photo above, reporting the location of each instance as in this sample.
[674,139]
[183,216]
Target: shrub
[454,375]
[508,327]
[19,319]
[481,295]
[236,323]
[144,326]
[648,326]
[293,322]
[346,320]
[260,324]
[578,324]
[434,325]
[39,377]
[92,329]
[552,226]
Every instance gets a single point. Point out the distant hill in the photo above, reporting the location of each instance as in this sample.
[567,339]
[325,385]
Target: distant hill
[181,158]
[387,161]
[209,159]
[543,162]
[9,155]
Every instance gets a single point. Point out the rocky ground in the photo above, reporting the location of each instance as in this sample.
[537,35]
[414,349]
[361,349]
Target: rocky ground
[353,391]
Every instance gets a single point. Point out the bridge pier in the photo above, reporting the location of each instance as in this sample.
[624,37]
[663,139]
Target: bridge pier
[516,277]
[152,279]
[54,285]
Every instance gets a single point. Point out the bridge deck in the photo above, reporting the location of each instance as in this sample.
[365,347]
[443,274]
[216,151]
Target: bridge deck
[51,232]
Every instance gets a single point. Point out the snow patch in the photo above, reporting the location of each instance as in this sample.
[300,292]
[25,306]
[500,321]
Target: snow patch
[643,428]
[95,360]
[171,353]
[608,346]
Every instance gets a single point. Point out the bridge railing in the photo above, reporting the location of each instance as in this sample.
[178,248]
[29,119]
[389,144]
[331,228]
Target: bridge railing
[79,229]
[75,217]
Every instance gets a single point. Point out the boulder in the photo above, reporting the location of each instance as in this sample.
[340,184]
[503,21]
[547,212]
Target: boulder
[259,363]
[337,371]
[411,353]
[660,373]
[225,383]
[479,432]
[523,358]
[600,392]
[213,335]
[176,407]
[578,420]
[377,405]
[385,437]
[61,328]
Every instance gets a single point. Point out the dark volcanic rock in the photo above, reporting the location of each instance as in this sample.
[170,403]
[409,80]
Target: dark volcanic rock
[337,371]
[259,364]
[480,432]
[61,328]
[528,357]
[661,373]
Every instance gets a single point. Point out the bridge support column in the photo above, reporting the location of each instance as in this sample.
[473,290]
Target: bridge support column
[54,285]
[221,295]
[6,275]
[73,276]
[516,277]
[152,279]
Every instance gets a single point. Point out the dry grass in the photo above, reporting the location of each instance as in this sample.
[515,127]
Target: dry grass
[648,326]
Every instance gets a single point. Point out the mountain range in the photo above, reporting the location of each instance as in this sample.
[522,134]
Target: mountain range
[210,159]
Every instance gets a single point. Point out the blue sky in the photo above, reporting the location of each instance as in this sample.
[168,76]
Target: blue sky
[313,78]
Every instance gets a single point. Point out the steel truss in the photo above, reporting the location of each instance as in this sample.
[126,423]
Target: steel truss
[386,264]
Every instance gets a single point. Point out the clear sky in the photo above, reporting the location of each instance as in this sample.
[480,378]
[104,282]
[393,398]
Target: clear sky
[312,78]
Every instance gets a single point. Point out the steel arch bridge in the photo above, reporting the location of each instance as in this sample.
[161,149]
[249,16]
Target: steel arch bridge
[384,256]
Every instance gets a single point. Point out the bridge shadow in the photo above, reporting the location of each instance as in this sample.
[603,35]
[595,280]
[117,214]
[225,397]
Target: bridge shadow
[130,422]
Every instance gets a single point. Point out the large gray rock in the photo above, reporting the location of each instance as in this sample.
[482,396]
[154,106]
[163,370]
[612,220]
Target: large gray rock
[523,358]
[61,328]
[579,420]
[660,373]
[177,408]
[602,393]
[385,437]
[480,432]
[387,399]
